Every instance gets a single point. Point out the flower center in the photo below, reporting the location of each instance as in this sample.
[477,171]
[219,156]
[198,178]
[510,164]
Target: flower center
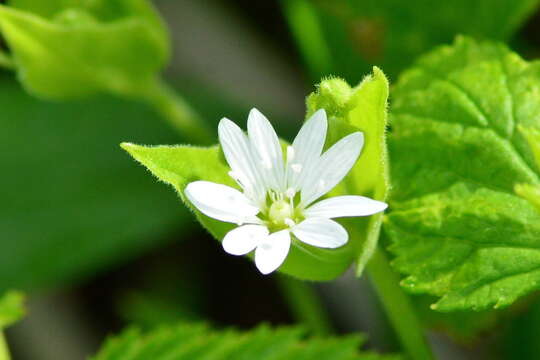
[281,213]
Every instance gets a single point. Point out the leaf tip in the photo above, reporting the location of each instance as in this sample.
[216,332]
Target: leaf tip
[378,73]
[126,145]
[130,147]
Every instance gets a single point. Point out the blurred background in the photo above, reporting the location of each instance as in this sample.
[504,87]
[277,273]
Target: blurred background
[97,243]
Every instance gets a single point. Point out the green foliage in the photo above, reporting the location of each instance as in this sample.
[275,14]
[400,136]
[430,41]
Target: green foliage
[362,108]
[11,308]
[457,227]
[66,49]
[73,203]
[366,111]
[392,33]
[531,192]
[195,341]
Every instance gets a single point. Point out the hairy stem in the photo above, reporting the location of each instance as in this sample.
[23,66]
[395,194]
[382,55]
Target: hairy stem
[306,30]
[4,351]
[398,308]
[305,305]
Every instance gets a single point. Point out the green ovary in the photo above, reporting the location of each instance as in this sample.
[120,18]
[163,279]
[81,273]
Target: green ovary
[279,212]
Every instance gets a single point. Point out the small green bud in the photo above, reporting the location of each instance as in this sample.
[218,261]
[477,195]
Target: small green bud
[332,95]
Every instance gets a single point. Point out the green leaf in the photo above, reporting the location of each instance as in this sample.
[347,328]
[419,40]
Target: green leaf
[71,49]
[533,138]
[458,229]
[197,341]
[365,111]
[362,108]
[11,308]
[356,34]
[531,192]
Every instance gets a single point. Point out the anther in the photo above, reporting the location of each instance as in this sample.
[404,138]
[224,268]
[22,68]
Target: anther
[290,193]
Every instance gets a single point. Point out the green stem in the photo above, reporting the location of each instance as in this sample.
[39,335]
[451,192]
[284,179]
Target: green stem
[398,308]
[178,112]
[4,351]
[306,29]
[305,305]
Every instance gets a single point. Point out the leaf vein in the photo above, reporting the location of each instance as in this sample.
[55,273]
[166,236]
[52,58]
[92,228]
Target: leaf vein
[481,111]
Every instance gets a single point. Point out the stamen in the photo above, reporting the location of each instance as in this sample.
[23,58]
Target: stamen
[290,193]
[296,168]
[290,154]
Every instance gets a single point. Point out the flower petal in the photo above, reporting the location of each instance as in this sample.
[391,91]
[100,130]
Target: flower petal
[307,147]
[221,202]
[265,142]
[244,239]
[272,251]
[341,206]
[332,167]
[321,232]
[238,152]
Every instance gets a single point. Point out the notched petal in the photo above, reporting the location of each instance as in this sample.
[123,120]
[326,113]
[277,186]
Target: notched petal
[332,167]
[344,206]
[267,148]
[321,232]
[244,239]
[221,202]
[238,153]
[272,252]
[308,146]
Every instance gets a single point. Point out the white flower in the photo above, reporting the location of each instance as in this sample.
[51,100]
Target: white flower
[277,195]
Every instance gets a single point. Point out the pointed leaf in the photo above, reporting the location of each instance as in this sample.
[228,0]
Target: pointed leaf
[197,341]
